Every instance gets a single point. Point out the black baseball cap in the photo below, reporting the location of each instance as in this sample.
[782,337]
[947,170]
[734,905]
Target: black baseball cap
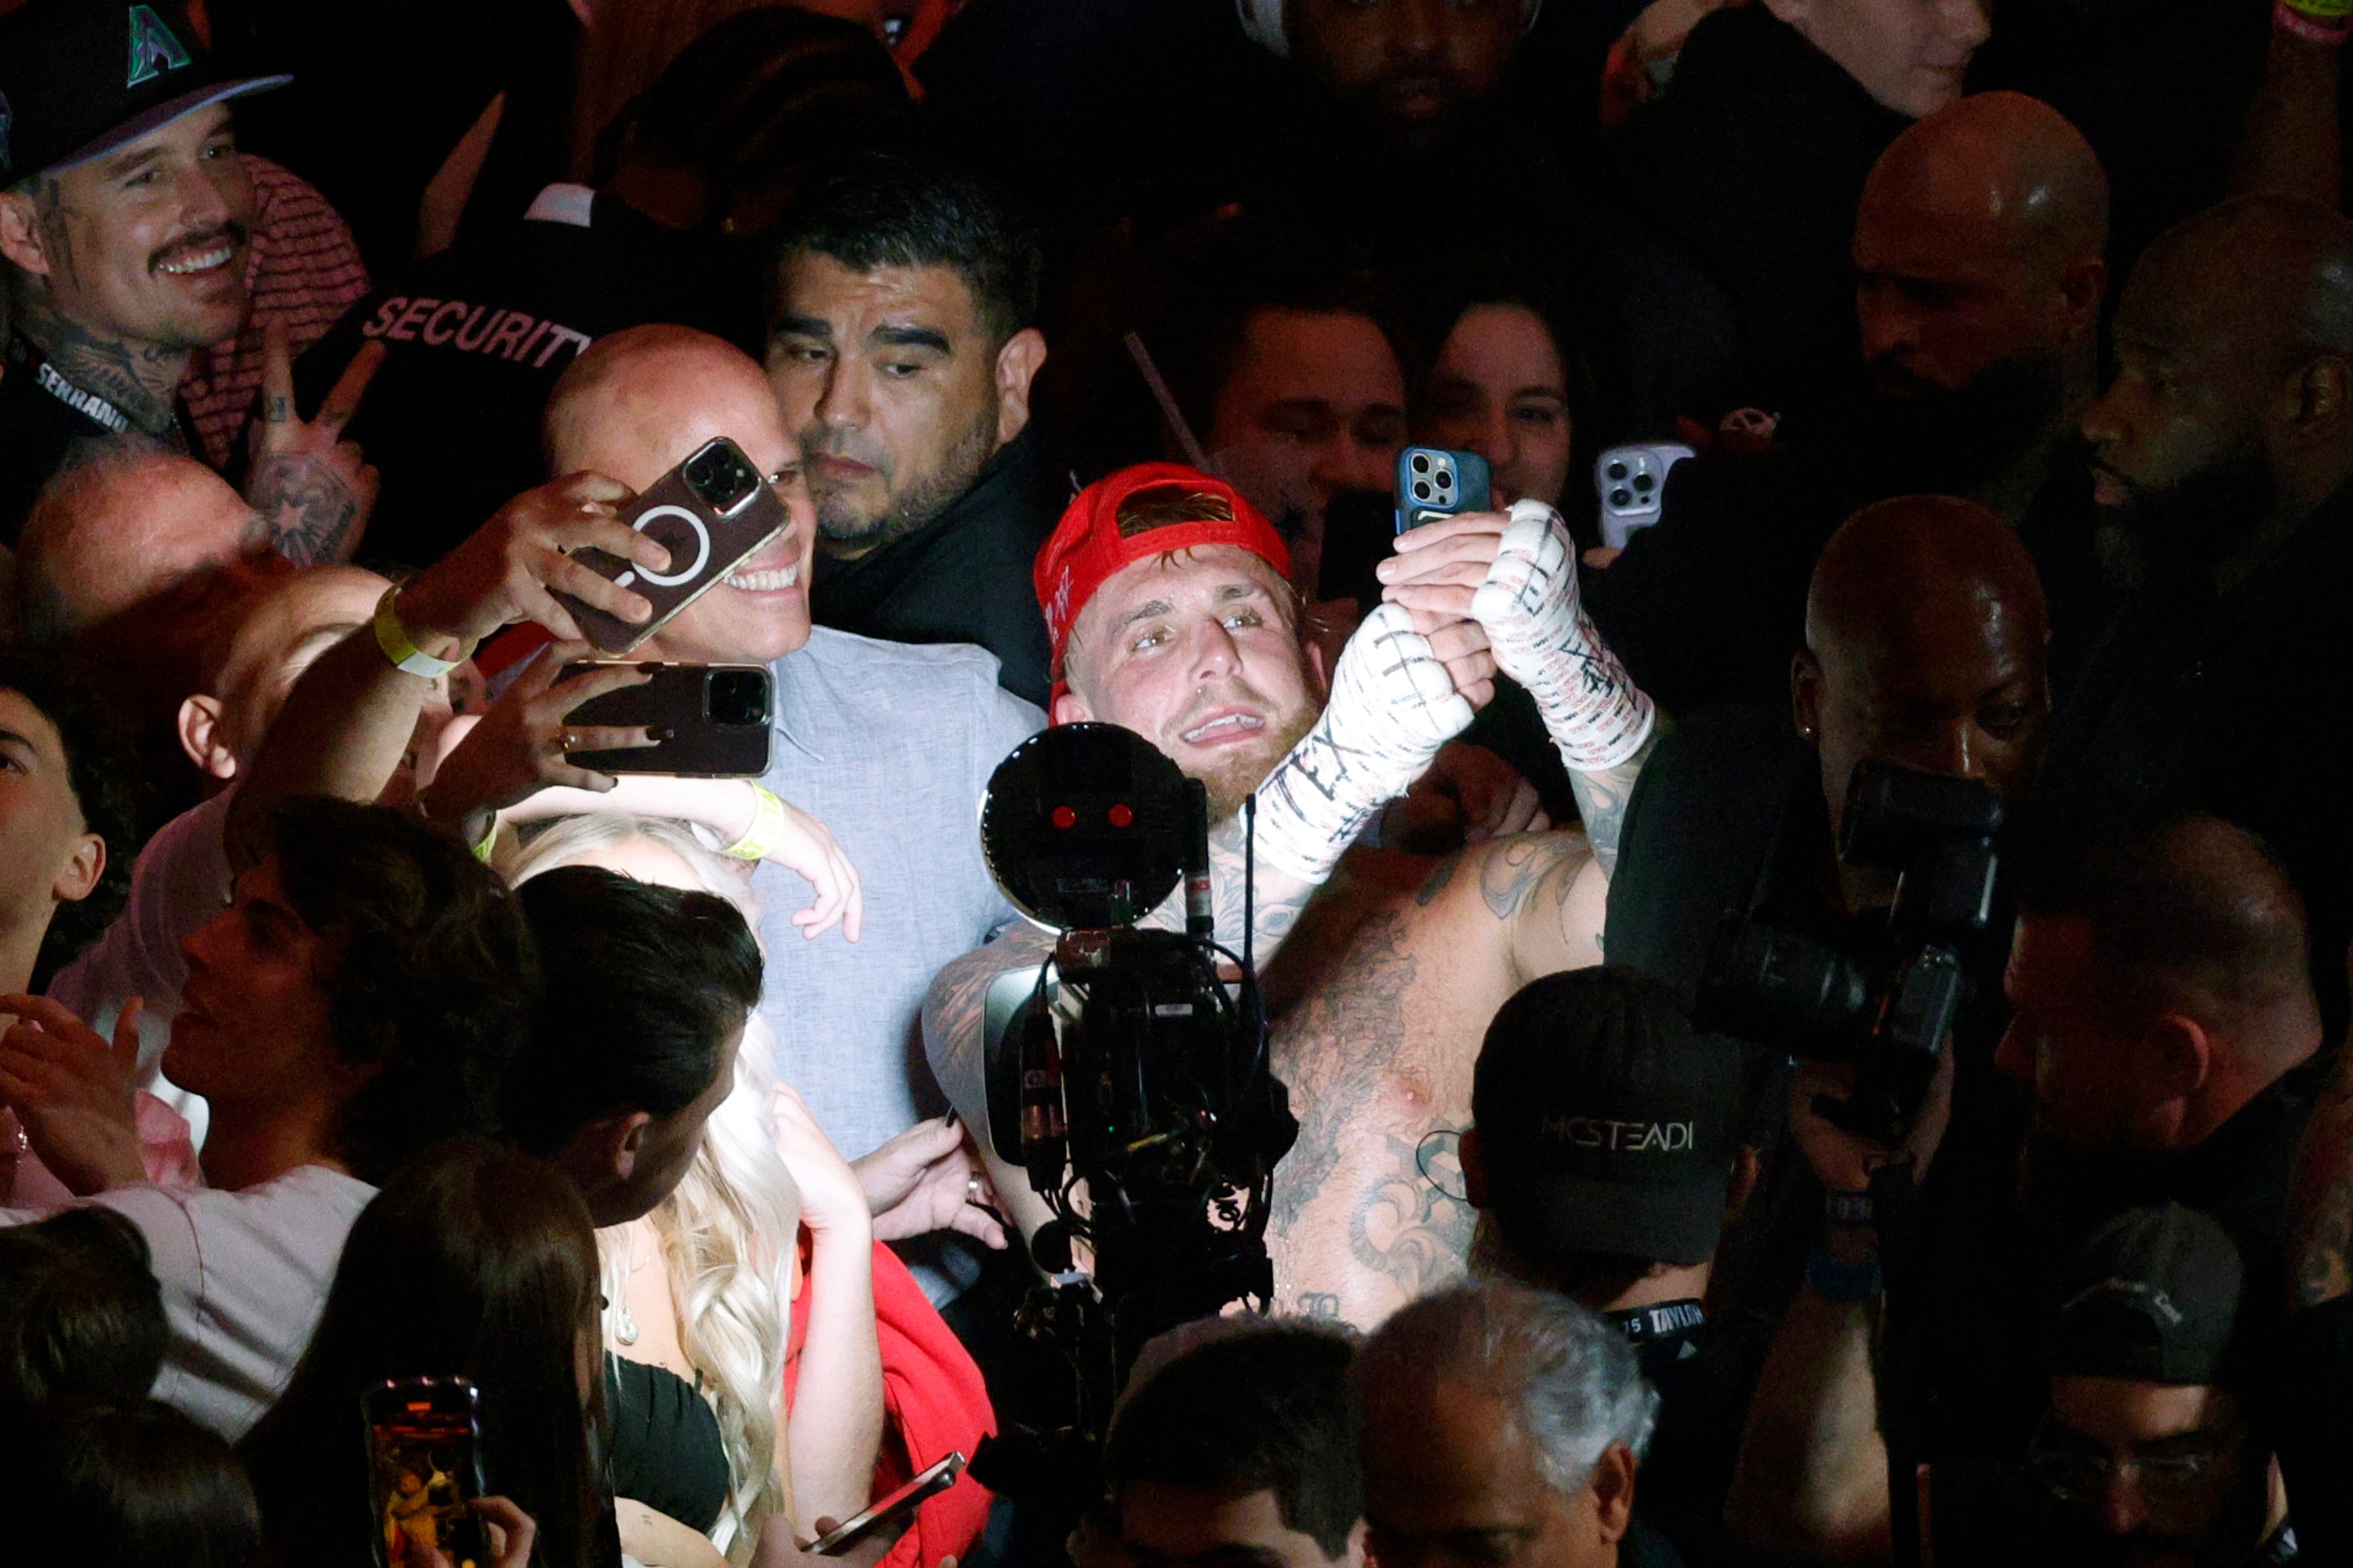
[80,78]
[2156,1297]
[1607,1123]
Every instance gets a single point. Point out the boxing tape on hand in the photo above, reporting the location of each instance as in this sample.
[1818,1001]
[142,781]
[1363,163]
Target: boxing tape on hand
[1392,707]
[1544,639]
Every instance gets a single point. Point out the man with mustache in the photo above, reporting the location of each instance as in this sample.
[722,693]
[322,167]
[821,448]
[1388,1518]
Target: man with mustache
[901,352]
[2225,454]
[124,224]
[1978,253]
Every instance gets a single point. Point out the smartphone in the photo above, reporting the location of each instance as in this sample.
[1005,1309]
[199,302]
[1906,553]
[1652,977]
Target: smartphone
[886,1514]
[1432,483]
[718,717]
[1631,480]
[425,1466]
[711,512]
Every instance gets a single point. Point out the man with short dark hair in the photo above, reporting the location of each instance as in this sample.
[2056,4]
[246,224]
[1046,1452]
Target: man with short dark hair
[2163,1006]
[901,347]
[1605,1151]
[1241,1450]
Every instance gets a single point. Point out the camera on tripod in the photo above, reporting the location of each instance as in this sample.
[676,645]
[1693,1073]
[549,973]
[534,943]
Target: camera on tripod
[1889,1009]
[1131,1071]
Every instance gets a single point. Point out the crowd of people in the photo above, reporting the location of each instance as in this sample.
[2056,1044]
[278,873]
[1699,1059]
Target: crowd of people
[1802,928]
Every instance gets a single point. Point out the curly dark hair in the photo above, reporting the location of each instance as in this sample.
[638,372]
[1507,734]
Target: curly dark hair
[106,787]
[434,979]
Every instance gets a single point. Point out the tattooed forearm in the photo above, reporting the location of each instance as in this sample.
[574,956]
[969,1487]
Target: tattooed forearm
[955,1018]
[1602,798]
[2320,1223]
[314,517]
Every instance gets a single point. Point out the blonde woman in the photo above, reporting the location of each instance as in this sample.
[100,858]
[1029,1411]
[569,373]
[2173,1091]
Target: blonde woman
[729,1305]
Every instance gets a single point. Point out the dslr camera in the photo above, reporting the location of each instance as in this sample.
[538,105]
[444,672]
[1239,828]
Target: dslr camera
[1886,1005]
[1131,1070]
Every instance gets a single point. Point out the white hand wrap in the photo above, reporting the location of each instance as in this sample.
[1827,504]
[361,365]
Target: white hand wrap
[1544,639]
[1393,706]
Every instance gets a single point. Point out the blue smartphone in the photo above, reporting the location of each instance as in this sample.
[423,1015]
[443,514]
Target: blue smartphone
[1432,483]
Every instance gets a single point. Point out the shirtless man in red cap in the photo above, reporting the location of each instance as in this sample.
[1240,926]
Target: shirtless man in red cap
[1168,612]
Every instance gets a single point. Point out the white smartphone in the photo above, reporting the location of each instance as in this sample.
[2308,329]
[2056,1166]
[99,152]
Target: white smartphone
[1631,480]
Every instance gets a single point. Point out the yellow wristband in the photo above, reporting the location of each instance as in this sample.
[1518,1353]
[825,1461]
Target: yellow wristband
[767,827]
[489,843]
[400,648]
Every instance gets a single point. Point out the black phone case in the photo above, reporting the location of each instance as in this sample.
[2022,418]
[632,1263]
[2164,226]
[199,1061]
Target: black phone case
[704,546]
[699,747]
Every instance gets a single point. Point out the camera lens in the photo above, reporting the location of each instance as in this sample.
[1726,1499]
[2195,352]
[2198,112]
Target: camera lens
[1622,497]
[1421,462]
[1422,489]
[738,697]
[1616,471]
[722,478]
[1643,482]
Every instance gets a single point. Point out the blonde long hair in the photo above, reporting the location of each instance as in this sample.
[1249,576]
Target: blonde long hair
[728,1231]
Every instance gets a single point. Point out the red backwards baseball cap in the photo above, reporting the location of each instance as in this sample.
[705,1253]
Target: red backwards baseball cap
[1091,543]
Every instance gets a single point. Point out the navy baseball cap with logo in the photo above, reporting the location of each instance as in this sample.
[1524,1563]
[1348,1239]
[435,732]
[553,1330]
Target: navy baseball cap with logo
[1606,1122]
[80,78]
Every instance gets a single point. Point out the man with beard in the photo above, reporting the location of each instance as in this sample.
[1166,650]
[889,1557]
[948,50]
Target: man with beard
[2225,448]
[901,352]
[1165,592]
[2153,1450]
[124,227]
[1978,247]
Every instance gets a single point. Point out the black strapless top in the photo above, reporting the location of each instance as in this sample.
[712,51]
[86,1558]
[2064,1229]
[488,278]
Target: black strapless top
[667,1452]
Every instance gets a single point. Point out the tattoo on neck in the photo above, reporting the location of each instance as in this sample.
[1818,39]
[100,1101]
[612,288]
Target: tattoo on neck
[139,379]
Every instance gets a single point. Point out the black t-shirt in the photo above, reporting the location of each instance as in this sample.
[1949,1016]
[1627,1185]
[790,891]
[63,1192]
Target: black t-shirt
[477,339]
[964,577]
[2310,1412]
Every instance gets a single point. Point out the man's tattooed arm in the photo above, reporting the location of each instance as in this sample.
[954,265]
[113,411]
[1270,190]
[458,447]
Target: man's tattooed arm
[1537,888]
[2320,1222]
[1602,798]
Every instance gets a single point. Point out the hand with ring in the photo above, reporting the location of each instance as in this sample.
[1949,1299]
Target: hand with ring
[523,745]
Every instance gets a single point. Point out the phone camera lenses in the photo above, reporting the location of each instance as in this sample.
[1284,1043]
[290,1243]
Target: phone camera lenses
[1421,462]
[1644,483]
[737,697]
[1616,471]
[720,476]
[1422,489]
[1622,497]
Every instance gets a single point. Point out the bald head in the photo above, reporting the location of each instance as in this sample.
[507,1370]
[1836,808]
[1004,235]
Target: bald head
[1925,635]
[120,528]
[2272,272]
[1978,255]
[1997,162]
[637,402]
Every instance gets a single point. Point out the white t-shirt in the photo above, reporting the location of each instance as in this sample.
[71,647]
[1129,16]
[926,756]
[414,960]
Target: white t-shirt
[245,1277]
[183,879]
